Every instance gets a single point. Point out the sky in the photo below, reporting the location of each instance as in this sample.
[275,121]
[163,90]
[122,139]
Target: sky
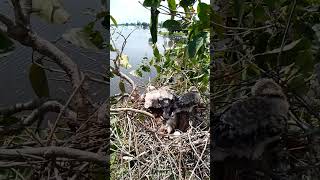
[132,11]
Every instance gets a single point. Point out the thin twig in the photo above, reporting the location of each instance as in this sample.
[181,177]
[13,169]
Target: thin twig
[133,110]
[62,111]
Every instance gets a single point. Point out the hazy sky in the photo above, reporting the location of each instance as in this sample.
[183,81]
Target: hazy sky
[132,11]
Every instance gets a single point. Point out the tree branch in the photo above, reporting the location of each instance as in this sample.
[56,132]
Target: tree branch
[53,152]
[7,111]
[22,12]
[6,21]
[49,106]
[25,36]
[133,110]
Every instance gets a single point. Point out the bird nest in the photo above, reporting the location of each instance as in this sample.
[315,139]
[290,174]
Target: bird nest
[140,151]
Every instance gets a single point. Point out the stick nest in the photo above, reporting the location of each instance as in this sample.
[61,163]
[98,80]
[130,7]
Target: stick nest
[140,151]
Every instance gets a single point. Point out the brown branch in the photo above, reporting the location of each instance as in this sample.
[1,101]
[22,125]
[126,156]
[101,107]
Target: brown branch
[133,110]
[98,80]
[50,106]
[116,62]
[52,152]
[48,49]
[7,111]
[63,109]
[6,21]
[21,33]
[21,13]
[285,33]
[124,76]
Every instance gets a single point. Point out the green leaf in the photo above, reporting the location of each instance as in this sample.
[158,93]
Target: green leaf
[114,21]
[151,61]
[110,47]
[124,61]
[297,84]
[259,14]
[50,10]
[285,48]
[172,5]
[145,68]
[39,82]
[195,44]
[304,60]
[89,27]
[204,11]
[172,25]
[97,39]
[158,68]
[137,73]
[186,3]
[152,3]
[6,44]
[154,25]
[122,87]
[156,53]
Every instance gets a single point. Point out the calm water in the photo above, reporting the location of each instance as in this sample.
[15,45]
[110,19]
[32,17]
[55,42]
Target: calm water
[138,46]
[14,69]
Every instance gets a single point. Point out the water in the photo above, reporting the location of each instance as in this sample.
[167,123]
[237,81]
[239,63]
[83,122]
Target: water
[138,46]
[14,69]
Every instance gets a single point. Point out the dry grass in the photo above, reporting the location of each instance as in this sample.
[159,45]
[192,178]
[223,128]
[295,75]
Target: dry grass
[138,151]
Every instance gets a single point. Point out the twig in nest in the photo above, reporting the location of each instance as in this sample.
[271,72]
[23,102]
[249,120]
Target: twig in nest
[133,110]
[31,105]
[49,106]
[53,151]
[62,111]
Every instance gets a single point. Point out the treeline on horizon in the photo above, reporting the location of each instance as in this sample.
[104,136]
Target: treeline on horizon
[138,23]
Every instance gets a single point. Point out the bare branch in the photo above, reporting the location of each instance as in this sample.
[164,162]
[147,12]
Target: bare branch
[21,33]
[50,106]
[62,111]
[133,110]
[124,76]
[6,21]
[7,111]
[53,152]
[22,12]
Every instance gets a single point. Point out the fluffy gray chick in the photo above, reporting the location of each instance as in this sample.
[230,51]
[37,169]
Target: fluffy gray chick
[160,100]
[184,104]
[249,125]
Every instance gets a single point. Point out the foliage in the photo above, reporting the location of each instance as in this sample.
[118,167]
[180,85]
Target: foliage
[6,45]
[186,63]
[274,39]
[38,80]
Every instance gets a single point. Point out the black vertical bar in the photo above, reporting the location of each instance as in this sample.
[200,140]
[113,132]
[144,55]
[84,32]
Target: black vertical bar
[108,94]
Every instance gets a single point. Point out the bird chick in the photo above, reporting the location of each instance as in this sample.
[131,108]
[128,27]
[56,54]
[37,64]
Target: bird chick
[267,87]
[248,132]
[184,105]
[248,125]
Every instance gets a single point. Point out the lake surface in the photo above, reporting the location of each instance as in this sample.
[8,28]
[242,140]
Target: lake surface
[15,86]
[14,69]
[138,46]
